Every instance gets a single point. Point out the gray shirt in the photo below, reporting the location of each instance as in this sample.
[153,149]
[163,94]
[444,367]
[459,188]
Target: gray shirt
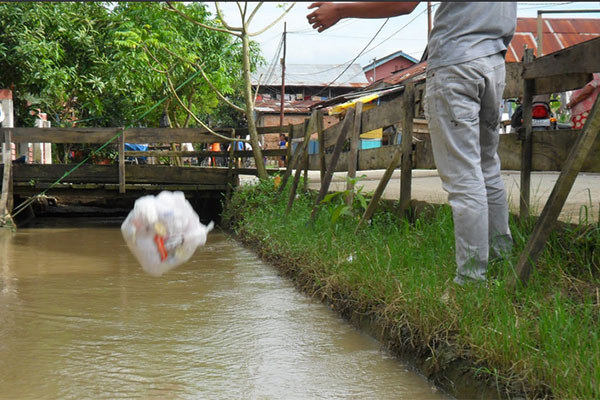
[464,31]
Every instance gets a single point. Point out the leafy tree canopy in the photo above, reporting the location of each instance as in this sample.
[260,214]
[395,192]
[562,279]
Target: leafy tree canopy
[105,66]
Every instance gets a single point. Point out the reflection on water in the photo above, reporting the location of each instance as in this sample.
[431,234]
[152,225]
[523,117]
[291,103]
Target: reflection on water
[80,319]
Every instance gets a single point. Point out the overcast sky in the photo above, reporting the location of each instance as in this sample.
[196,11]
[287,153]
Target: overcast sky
[343,42]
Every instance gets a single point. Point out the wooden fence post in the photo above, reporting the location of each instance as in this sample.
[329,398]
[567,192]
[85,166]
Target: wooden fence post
[232,162]
[353,154]
[288,156]
[527,144]
[339,144]
[302,152]
[556,201]
[380,188]
[6,197]
[321,139]
[408,108]
[310,125]
[294,163]
[122,161]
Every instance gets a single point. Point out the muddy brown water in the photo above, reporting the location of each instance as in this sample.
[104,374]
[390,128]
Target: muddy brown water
[80,319]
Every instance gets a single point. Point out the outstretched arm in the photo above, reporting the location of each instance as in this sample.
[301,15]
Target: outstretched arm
[328,14]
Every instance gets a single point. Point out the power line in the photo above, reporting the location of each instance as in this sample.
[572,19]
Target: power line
[399,30]
[358,55]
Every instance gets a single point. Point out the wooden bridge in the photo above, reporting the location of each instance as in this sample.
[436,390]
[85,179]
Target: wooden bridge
[123,180]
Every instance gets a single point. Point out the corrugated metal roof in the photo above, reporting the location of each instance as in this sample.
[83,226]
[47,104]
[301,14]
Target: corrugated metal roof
[389,57]
[312,75]
[407,73]
[557,34]
[289,107]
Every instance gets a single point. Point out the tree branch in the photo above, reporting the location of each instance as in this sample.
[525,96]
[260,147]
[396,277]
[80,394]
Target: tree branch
[253,13]
[212,28]
[219,94]
[202,124]
[242,11]
[225,24]
[274,22]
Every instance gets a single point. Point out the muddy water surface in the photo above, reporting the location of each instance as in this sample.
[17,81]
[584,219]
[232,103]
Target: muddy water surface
[80,319]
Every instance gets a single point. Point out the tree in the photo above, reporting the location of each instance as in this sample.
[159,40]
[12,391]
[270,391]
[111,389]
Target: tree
[243,34]
[52,56]
[93,63]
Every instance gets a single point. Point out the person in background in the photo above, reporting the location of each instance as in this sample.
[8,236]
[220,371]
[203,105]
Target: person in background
[282,146]
[465,83]
[215,161]
[582,101]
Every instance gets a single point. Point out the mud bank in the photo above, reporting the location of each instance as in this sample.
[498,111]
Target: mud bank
[393,279]
[443,365]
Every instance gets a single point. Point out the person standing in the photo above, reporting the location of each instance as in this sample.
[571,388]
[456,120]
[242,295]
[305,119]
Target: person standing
[465,82]
[582,101]
[282,146]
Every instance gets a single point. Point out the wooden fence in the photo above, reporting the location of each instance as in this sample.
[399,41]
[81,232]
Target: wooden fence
[569,151]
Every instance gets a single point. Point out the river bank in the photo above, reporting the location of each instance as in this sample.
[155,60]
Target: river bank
[541,341]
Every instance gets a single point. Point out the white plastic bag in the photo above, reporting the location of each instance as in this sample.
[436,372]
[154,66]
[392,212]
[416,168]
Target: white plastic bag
[163,231]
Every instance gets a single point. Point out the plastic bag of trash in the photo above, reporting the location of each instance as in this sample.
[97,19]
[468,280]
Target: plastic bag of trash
[163,231]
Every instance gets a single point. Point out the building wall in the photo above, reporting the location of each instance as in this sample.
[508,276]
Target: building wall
[388,68]
[272,139]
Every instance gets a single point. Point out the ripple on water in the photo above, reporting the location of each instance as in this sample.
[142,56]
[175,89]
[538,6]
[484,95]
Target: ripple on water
[80,319]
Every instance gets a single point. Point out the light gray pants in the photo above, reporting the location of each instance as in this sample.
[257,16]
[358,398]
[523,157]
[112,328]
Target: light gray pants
[463,110]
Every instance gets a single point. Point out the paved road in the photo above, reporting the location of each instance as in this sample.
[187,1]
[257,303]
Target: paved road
[584,196]
[426,186]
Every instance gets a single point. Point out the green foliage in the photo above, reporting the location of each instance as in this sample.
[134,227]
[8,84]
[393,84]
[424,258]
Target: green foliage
[544,337]
[87,62]
[336,201]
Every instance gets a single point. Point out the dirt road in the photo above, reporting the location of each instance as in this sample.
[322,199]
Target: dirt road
[427,186]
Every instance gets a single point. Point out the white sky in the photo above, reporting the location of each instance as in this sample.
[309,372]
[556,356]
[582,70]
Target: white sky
[344,41]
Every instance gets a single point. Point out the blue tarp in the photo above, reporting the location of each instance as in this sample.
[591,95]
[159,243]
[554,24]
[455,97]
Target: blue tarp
[136,147]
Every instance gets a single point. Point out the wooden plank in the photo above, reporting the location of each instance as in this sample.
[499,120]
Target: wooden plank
[102,135]
[311,128]
[408,111]
[288,150]
[353,154]
[526,148]
[543,85]
[303,149]
[348,121]
[556,201]
[321,140]
[581,58]
[91,173]
[385,114]
[5,208]
[170,153]
[380,188]
[295,161]
[240,132]
[230,175]
[550,150]
[122,162]
[27,188]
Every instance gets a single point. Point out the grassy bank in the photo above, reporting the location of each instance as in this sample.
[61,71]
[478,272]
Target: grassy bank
[538,341]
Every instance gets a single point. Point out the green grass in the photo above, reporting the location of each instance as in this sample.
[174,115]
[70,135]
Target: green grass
[544,337]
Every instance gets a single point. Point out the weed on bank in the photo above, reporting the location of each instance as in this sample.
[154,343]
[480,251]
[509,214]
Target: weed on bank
[542,340]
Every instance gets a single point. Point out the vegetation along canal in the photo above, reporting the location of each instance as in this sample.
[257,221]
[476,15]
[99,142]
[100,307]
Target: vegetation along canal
[80,319]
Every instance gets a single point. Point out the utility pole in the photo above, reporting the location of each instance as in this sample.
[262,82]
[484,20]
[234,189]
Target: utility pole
[428,19]
[281,112]
[374,70]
